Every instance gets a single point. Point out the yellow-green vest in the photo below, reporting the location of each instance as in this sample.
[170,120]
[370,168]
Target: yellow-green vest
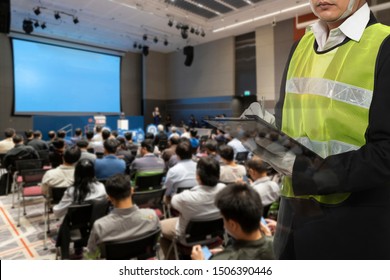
[328,96]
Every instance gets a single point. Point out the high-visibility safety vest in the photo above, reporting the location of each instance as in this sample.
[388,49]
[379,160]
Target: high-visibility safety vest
[328,96]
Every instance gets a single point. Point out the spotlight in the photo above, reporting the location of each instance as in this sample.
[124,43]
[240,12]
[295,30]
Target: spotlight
[184,32]
[57,15]
[170,23]
[145,50]
[202,34]
[75,20]
[165,42]
[135,45]
[36,24]
[145,37]
[28,26]
[178,25]
[43,25]
[192,30]
[37,11]
[139,46]
[197,32]
[155,40]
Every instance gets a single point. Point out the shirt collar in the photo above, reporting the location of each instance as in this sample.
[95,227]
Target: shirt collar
[353,27]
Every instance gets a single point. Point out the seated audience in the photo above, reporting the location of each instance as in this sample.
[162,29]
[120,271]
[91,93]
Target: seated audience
[240,207]
[237,146]
[174,133]
[28,136]
[123,153]
[169,154]
[109,165]
[125,222]
[131,146]
[63,175]
[197,203]
[98,135]
[78,135]
[37,143]
[231,172]
[7,144]
[268,190]
[148,161]
[83,145]
[211,147]
[52,135]
[19,151]
[57,153]
[161,138]
[85,187]
[61,134]
[193,139]
[183,174]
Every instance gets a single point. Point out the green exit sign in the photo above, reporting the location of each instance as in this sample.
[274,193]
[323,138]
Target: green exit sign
[247,93]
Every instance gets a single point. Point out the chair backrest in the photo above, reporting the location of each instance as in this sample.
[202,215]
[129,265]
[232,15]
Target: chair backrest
[79,216]
[149,199]
[1,160]
[148,180]
[100,208]
[44,156]
[204,232]
[28,164]
[56,194]
[32,177]
[140,248]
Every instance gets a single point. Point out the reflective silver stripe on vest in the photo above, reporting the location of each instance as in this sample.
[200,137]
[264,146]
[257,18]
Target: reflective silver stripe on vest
[327,148]
[331,89]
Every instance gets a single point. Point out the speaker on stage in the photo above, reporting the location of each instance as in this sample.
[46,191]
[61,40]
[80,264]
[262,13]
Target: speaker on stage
[189,53]
[5,16]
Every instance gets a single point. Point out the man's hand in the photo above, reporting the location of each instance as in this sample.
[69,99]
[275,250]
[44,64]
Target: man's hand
[197,253]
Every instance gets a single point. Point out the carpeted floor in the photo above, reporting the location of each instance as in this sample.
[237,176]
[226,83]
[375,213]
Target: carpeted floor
[27,240]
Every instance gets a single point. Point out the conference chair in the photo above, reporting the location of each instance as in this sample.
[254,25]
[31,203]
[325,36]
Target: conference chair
[29,187]
[148,180]
[44,156]
[210,233]
[141,248]
[150,199]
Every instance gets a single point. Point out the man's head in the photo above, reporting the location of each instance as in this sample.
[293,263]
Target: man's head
[98,129]
[72,155]
[227,153]
[211,146]
[9,133]
[51,134]
[37,134]
[17,139]
[82,144]
[257,168]
[335,12]
[89,134]
[118,188]
[147,147]
[110,146]
[58,143]
[61,134]
[207,171]
[184,149]
[241,209]
[78,132]
[29,134]
[129,136]
[106,134]
[160,128]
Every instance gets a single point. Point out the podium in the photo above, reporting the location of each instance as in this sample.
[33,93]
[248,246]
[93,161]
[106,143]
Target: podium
[123,124]
[100,120]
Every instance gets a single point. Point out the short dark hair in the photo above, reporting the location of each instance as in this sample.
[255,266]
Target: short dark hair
[51,134]
[175,140]
[242,204]
[258,165]
[208,171]
[118,186]
[9,132]
[211,145]
[193,132]
[89,134]
[61,134]
[98,128]
[106,134]
[28,133]
[78,131]
[149,135]
[148,145]
[226,152]
[17,139]
[82,143]
[128,136]
[58,143]
[111,145]
[114,133]
[184,149]
[37,133]
[72,154]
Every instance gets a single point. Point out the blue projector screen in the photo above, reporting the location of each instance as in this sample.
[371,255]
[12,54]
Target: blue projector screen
[63,81]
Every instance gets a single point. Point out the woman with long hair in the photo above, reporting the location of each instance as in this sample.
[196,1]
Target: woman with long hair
[86,187]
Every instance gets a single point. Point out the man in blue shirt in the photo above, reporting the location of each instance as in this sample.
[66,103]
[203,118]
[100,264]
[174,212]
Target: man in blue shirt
[109,165]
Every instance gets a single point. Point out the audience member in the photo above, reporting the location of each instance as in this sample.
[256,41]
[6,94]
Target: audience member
[63,175]
[52,135]
[78,135]
[37,143]
[211,146]
[57,153]
[193,139]
[7,144]
[28,136]
[186,133]
[19,151]
[61,134]
[240,207]
[174,133]
[131,146]
[125,222]
[237,146]
[109,165]
[123,153]
[98,135]
[83,145]
[169,154]
[231,172]
[268,190]
[85,187]
[183,174]
[161,138]
[148,161]
[197,203]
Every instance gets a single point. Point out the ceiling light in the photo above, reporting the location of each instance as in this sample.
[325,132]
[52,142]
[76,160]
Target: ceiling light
[197,32]
[135,45]
[140,46]
[165,42]
[36,24]
[184,32]
[75,20]
[37,11]
[170,23]
[192,30]
[178,25]
[28,26]
[57,15]
[155,40]
[145,50]
[43,25]
[145,37]
[202,33]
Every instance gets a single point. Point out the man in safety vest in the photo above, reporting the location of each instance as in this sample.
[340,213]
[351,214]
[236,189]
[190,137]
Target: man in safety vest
[335,100]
